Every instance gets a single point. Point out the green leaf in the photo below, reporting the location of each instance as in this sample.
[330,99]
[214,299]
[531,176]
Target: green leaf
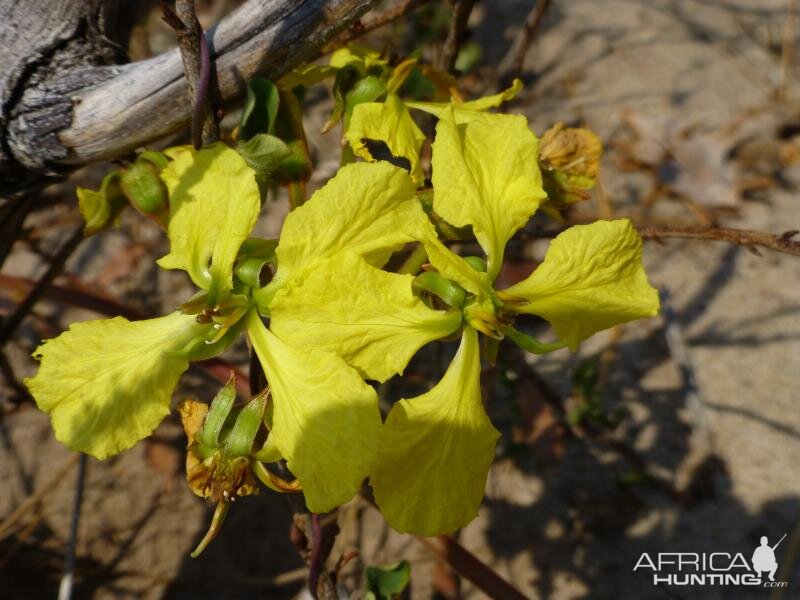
[214,204]
[107,384]
[591,279]
[260,108]
[325,422]
[436,452]
[388,581]
[367,316]
[263,153]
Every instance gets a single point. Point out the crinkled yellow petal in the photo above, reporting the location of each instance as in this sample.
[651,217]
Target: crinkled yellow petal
[467,111]
[326,421]
[591,279]
[388,122]
[367,316]
[214,204]
[436,452]
[107,384]
[486,174]
[367,208]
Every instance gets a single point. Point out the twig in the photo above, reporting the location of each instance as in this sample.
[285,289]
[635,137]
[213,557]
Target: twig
[752,240]
[65,587]
[196,58]
[787,51]
[361,28]
[455,35]
[471,567]
[10,324]
[11,520]
[512,63]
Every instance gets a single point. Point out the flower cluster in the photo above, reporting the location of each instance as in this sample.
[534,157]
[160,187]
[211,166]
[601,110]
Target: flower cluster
[333,317]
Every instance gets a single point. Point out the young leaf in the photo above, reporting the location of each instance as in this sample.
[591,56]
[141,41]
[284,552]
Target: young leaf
[386,582]
[260,108]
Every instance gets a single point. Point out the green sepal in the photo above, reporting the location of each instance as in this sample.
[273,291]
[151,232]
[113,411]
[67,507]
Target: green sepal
[155,157]
[260,108]
[531,344]
[141,183]
[449,291]
[210,343]
[239,440]
[386,582]
[268,453]
[254,254]
[221,405]
[249,271]
[476,262]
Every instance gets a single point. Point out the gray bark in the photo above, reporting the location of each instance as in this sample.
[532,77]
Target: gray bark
[66,100]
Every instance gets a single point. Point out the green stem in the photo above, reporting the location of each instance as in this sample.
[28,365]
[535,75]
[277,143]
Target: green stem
[297,194]
[414,262]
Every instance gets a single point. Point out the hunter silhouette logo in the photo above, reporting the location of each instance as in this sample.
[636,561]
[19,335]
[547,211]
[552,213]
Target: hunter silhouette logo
[764,557]
[713,568]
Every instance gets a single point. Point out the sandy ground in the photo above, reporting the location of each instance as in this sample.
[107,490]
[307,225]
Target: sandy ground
[566,516]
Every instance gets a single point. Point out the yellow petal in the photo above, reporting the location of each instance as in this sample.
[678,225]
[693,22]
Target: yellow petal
[326,421]
[486,174]
[436,452]
[367,316]
[591,279]
[107,384]
[214,204]
[360,56]
[367,208]
[467,111]
[388,122]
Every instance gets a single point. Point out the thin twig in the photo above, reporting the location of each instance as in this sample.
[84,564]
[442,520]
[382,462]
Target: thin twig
[361,28]
[67,579]
[512,63]
[787,51]
[455,35]
[471,568]
[10,324]
[197,66]
[11,520]
[752,240]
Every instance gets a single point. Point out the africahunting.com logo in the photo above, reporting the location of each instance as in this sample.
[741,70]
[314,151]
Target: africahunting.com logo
[715,568]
